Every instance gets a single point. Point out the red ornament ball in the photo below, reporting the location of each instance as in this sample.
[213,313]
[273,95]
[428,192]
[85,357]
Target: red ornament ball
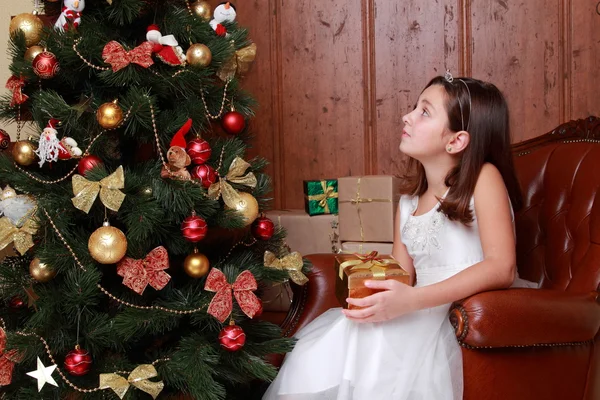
[205,174]
[16,302]
[199,151]
[232,338]
[87,163]
[46,65]
[194,228]
[78,362]
[4,139]
[233,122]
[263,228]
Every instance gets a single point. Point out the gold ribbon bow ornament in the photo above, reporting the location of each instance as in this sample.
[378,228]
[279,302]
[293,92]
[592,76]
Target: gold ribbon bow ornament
[109,188]
[236,174]
[292,263]
[22,237]
[138,378]
[239,63]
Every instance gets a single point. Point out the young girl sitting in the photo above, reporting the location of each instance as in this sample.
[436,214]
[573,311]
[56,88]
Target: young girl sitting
[454,234]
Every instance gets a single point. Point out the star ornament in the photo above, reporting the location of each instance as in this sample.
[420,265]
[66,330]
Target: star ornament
[43,375]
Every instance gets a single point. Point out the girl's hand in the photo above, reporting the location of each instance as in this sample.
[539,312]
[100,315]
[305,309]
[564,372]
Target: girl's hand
[397,299]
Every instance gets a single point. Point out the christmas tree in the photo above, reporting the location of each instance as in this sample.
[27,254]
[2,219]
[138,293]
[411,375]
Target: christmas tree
[134,210]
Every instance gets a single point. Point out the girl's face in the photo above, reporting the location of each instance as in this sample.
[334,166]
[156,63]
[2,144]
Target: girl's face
[425,127]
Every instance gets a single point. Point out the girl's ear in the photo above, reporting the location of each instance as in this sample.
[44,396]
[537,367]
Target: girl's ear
[458,142]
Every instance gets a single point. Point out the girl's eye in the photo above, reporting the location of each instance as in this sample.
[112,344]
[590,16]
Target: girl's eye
[425,112]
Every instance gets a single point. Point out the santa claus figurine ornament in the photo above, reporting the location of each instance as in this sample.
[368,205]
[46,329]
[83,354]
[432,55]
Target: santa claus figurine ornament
[71,14]
[51,149]
[224,12]
[166,47]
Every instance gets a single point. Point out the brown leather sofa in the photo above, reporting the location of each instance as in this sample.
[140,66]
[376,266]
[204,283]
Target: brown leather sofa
[526,343]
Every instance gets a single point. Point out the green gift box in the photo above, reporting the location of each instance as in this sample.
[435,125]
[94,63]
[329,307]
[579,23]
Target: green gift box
[321,197]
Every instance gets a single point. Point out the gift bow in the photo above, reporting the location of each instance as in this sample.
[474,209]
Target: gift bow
[22,237]
[118,58]
[221,304]
[109,188]
[292,263]
[7,360]
[328,193]
[16,85]
[137,274]
[138,378]
[239,63]
[370,261]
[236,172]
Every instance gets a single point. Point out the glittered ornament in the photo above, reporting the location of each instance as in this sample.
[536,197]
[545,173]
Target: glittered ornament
[199,151]
[40,271]
[201,9]
[107,244]
[232,338]
[263,228]
[87,163]
[205,174]
[198,55]
[31,26]
[24,153]
[247,206]
[194,228]
[233,122]
[4,140]
[32,52]
[109,115]
[196,265]
[78,362]
[46,65]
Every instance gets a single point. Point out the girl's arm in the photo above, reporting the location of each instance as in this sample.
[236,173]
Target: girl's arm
[496,271]
[399,251]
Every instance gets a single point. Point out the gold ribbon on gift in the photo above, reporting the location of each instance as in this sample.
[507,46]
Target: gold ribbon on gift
[22,237]
[358,200]
[109,188]
[236,174]
[378,266]
[239,63]
[292,263]
[328,193]
[138,378]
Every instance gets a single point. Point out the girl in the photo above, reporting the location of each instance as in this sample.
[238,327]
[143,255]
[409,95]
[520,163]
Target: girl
[453,233]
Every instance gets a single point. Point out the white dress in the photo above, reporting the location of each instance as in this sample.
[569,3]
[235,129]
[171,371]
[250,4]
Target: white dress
[413,357]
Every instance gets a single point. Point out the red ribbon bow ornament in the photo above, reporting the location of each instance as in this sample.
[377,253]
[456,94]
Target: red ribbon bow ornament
[221,304]
[118,58]
[137,274]
[7,360]
[16,85]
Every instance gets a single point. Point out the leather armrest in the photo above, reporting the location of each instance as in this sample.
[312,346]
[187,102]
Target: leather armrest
[526,317]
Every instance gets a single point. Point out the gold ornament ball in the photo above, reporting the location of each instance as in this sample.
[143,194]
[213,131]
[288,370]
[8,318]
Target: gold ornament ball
[109,115]
[198,55]
[248,207]
[40,271]
[24,153]
[196,265]
[107,245]
[202,10]
[31,26]
[32,52]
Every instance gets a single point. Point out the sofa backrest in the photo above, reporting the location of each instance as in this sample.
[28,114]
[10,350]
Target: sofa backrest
[558,228]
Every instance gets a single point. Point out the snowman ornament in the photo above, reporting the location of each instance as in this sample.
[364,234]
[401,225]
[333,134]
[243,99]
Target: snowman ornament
[51,149]
[224,12]
[71,12]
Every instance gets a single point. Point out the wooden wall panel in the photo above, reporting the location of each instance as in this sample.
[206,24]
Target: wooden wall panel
[414,41]
[321,93]
[585,62]
[516,46]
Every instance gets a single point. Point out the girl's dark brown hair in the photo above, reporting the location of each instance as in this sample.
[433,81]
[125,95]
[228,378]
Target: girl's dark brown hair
[485,114]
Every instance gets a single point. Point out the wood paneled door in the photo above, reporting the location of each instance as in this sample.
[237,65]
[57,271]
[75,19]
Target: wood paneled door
[333,78]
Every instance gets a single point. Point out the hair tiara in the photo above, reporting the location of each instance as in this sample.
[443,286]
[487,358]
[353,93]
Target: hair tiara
[450,79]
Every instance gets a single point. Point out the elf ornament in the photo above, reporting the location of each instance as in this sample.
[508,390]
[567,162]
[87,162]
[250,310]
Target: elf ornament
[166,48]
[51,149]
[177,158]
[224,12]
[71,14]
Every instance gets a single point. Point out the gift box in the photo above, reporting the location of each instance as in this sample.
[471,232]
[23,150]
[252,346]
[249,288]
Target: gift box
[367,207]
[306,234]
[367,247]
[353,270]
[321,197]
